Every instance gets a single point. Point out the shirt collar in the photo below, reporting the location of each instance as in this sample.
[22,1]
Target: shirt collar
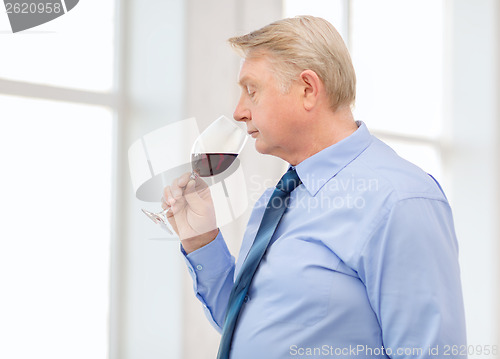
[317,170]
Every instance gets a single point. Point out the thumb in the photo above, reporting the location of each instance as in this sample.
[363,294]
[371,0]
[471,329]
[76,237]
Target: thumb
[192,196]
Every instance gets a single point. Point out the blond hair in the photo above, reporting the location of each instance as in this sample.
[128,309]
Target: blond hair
[304,43]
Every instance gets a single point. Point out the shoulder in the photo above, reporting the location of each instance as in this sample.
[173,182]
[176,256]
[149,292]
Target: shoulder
[381,182]
[395,177]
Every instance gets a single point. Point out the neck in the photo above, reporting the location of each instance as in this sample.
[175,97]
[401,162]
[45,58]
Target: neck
[321,132]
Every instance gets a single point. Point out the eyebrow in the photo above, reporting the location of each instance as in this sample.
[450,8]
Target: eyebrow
[244,81]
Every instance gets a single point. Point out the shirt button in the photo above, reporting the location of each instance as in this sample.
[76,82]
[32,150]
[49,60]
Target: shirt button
[199,267]
[245,299]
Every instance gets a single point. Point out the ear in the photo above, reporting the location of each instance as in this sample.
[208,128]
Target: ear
[311,87]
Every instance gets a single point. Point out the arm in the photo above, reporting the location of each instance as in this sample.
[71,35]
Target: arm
[212,270]
[212,267]
[411,272]
[210,264]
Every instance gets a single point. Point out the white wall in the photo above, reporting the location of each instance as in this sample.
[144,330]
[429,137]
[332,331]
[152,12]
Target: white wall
[147,293]
[473,106]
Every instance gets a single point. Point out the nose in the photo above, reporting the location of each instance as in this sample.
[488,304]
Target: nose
[242,112]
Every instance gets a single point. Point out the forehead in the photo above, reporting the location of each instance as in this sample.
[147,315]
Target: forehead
[255,69]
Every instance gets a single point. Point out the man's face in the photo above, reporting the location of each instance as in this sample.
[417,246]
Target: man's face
[270,115]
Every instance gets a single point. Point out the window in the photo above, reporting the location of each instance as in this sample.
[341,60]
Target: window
[56,84]
[73,51]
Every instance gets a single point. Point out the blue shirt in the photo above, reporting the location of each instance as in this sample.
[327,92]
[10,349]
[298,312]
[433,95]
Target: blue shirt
[363,264]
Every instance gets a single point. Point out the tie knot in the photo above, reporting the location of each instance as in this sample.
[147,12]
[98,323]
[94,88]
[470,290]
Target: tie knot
[289,181]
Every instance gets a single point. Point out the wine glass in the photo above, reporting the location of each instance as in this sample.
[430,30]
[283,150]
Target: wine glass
[212,153]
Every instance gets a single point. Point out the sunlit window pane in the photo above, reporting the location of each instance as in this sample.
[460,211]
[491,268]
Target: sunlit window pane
[397,50]
[331,10]
[75,50]
[54,237]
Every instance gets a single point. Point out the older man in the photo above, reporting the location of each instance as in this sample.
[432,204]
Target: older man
[354,253]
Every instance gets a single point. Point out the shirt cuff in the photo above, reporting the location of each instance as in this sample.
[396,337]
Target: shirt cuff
[210,260]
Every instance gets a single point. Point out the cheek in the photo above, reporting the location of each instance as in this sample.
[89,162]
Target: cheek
[274,119]
[268,127]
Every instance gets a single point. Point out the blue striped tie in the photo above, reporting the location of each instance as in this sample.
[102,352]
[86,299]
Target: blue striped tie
[274,211]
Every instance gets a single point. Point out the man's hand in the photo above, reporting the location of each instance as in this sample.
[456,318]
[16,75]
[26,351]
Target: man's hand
[192,213]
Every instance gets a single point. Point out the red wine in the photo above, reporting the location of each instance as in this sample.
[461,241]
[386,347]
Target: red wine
[211,164]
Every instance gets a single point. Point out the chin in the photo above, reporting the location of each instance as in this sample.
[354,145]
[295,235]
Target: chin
[261,148]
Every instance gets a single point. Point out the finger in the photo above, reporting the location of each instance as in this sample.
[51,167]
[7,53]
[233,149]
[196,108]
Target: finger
[175,189]
[164,204]
[192,195]
[169,214]
[168,196]
[200,184]
[183,180]
[179,184]
[171,219]
[163,201]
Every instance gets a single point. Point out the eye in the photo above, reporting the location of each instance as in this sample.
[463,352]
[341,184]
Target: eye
[250,92]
